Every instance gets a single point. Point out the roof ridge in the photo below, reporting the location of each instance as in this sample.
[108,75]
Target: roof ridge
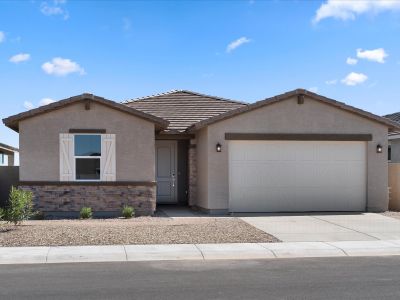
[149,96]
[184,91]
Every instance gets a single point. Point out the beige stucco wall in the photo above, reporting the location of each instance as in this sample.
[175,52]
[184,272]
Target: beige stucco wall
[289,117]
[395,146]
[39,141]
[394,185]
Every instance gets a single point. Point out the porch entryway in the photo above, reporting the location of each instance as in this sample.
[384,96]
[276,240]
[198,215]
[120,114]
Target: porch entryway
[172,171]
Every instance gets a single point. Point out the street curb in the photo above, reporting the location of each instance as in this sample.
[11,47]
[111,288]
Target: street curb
[233,251]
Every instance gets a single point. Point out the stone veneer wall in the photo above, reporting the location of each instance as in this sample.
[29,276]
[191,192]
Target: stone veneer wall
[101,198]
[192,165]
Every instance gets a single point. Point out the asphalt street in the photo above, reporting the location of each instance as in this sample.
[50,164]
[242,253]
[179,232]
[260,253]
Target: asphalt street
[323,278]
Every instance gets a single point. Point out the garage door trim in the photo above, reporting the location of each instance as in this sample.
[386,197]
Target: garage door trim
[297,137]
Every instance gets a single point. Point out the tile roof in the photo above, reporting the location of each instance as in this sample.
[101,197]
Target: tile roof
[183,108]
[394,117]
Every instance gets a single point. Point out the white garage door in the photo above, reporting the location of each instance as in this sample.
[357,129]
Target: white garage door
[296,176]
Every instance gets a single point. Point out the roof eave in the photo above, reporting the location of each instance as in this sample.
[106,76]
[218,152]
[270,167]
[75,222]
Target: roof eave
[13,121]
[8,149]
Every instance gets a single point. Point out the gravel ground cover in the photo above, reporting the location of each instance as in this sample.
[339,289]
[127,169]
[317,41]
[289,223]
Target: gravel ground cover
[141,230]
[393,214]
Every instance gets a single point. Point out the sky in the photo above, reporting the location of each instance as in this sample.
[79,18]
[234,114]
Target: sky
[242,50]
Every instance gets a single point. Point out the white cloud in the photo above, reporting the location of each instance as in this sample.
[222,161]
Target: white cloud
[62,66]
[2,36]
[55,8]
[313,89]
[331,82]
[351,61]
[28,105]
[354,78]
[349,9]
[240,41]
[20,58]
[377,55]
[126,24]
[45,101]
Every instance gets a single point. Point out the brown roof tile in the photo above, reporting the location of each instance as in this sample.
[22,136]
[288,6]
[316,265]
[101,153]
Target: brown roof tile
[394,117]
[183,108]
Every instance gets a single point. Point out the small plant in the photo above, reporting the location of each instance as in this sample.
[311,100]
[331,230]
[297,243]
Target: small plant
[19,207]
[2,214]
[85,213]
[128,212]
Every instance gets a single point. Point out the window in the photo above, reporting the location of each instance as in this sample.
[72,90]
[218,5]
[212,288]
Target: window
[1,158]
[87,155]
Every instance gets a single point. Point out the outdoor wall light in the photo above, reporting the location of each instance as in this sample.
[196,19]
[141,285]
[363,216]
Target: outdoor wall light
[379,148]
[218,147]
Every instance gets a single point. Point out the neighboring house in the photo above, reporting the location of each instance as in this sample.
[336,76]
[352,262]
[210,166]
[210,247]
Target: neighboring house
[7,155]
[297,151]
[394,140]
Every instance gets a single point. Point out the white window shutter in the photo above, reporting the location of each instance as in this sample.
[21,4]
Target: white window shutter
[108,169]
[66,157]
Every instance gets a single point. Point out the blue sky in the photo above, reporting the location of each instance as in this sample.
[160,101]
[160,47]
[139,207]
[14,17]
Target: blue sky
[244,50]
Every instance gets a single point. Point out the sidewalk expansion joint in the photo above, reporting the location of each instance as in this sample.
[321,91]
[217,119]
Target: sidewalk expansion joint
[344,252]
[126,254]
[272,251]
[47,254]
[315,217]
[201,252]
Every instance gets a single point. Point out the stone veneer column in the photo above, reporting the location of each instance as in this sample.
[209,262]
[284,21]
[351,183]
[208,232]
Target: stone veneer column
[192,165]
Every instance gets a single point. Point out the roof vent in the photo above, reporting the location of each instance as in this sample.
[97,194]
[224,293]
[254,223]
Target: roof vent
[300,99]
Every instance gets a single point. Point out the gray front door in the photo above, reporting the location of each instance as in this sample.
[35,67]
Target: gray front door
[166,165]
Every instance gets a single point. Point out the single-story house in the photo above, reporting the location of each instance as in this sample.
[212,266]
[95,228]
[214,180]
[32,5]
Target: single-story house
[294,152]
[394,140]
[7,155]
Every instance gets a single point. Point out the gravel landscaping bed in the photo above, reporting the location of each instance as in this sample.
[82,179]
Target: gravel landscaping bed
[142,230]
[393,214]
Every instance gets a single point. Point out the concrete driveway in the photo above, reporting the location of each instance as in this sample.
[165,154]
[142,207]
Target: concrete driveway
[328,227]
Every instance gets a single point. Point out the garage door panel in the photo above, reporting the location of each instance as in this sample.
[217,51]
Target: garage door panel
[300,176]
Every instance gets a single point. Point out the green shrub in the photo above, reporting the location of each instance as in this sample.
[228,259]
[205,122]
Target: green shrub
[85,213]
[19,206]
[2,213]
[128,212]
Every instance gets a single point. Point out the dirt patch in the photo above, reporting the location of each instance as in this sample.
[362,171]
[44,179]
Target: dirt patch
[393,214]
[142,230]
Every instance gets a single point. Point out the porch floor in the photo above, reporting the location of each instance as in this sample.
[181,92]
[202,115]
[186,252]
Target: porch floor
[178,211]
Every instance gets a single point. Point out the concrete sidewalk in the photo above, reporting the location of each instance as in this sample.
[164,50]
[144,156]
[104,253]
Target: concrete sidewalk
[74,254]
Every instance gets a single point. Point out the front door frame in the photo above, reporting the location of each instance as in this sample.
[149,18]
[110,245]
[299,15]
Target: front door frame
[174,178]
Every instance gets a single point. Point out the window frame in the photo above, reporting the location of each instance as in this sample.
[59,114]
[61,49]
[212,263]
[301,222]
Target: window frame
[88,157]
